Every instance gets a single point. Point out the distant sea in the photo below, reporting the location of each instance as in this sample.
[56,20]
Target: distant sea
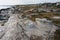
[4,6]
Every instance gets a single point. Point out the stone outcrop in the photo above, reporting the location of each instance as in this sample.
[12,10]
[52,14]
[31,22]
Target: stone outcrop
[17,27]
[24,29]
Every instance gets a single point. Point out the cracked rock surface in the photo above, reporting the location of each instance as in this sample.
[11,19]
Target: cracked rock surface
[25,29]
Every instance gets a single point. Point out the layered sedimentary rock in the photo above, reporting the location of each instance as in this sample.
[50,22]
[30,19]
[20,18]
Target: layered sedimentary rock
[17,28]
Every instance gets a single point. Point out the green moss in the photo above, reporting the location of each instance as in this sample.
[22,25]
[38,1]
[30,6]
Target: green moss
[34,37]
[57,35]
[57,22]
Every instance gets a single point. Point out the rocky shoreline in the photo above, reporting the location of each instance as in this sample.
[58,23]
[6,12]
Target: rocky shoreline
[20,23]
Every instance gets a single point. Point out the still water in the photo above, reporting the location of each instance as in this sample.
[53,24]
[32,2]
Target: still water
[4,6]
